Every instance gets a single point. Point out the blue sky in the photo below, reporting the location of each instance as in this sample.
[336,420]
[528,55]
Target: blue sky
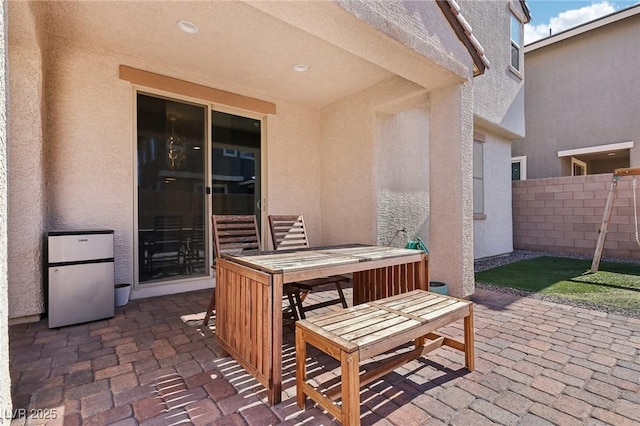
[561,15]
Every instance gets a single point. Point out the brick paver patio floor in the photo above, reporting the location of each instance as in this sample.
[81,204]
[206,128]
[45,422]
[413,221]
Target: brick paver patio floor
[537,363]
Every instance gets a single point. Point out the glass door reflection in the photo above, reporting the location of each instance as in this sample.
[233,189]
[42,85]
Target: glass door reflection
[235,159]
[171,189]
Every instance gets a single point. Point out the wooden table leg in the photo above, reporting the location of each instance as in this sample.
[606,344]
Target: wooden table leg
[469,358]
[275,392]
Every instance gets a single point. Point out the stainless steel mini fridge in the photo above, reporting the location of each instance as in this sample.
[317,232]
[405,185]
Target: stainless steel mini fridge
[80,276]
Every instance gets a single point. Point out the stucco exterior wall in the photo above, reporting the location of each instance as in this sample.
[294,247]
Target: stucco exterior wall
[419,25]
[27,200]
[582,92]
[5,378]
[347,158]
[499,92]
[89,147]
[293,157]
[349,128]
[355,168]
[498,107]
[451,188]
[564,214]
[491,236]
[402,176]
[357,141]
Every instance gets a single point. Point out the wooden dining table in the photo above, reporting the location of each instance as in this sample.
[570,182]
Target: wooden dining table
[249,291]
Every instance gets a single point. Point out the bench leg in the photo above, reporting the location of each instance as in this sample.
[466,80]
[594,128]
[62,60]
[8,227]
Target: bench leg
[350,370]
[301,367]
[469,358]
[420,341]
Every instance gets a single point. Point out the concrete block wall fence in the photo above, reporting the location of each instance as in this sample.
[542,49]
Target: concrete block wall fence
[565,214]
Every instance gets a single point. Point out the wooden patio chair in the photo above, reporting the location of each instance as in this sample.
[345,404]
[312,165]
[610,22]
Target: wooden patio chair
[196,245]
[289,233]
[233,234]
[167,252]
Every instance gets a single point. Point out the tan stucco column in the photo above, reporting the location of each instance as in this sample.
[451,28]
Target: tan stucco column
[451,187]
[5,380]
[26,156]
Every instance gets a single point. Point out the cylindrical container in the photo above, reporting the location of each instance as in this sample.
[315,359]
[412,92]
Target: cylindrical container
[438,287]
[123,291]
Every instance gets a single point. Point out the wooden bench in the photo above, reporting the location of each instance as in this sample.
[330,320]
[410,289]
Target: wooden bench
[364,331]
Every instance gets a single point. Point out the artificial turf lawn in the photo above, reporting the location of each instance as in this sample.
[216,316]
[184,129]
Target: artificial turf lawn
[615,284]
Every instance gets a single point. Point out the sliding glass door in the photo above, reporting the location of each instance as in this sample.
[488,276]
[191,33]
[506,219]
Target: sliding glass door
[175,154]
[171,165]
[235,159]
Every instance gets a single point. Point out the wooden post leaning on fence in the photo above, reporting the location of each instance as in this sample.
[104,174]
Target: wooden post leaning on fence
[602,233]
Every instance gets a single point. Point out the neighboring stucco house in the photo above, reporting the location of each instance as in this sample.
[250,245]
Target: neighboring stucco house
[582,103]
[498,112]
[360,115]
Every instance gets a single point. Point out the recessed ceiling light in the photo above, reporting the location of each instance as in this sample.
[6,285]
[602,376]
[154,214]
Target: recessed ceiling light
[300,68]
[188,27]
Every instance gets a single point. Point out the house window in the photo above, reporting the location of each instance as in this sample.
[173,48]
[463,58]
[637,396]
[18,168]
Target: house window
[578,168]
[519,168]
[516,41]
[478,178]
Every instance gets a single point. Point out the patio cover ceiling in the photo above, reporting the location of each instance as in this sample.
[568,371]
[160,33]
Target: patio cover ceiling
[238,47]
[244,47]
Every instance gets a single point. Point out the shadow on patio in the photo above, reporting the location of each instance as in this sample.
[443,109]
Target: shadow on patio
[536,363]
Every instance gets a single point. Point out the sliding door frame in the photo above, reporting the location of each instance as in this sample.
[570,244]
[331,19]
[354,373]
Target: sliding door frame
[205,281]
[263,160]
